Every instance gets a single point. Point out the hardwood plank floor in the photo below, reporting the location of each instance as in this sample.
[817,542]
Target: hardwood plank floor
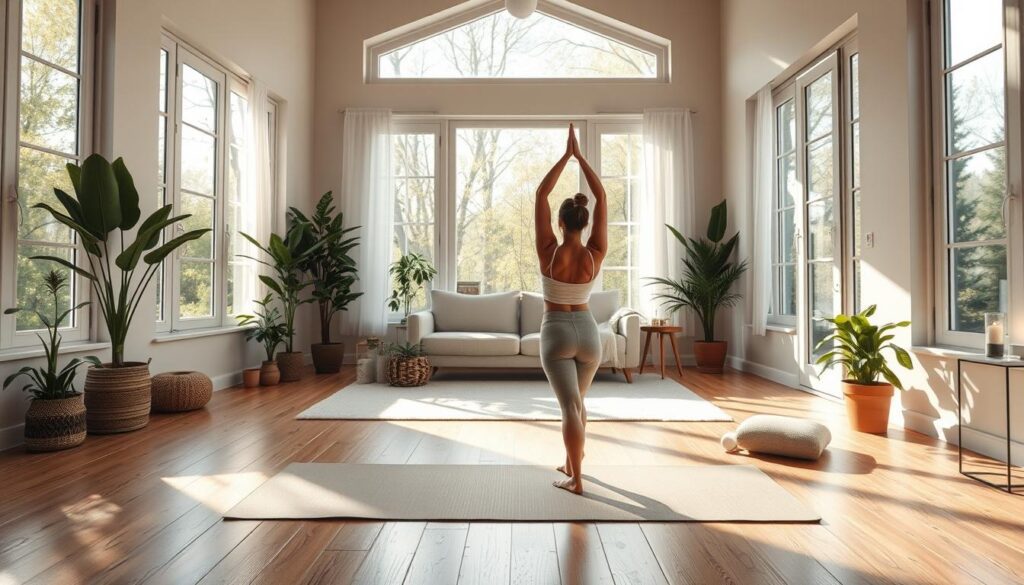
[146,507]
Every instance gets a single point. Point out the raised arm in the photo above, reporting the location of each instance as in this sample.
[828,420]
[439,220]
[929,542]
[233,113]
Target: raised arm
[598,241]
[546,240]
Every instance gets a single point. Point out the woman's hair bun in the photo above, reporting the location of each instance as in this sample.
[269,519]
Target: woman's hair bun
[580,200]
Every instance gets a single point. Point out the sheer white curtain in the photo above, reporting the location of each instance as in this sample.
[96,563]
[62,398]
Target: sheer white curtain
[257,198]
[761,165]
[367,199]
[668,197]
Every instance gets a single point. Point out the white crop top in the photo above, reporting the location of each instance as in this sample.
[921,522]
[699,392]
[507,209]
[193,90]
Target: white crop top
[567,293]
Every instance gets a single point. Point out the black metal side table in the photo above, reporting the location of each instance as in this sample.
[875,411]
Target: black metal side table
[1007,365]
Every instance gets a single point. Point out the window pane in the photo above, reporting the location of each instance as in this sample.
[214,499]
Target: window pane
[787,230]
[819,107]
[820,170]
[979,286]
[618,246]
[502,46]
[196,289]
[856,223]
[821,302]
[31,293]
[974,25]
[414,200]
[617,199]
[855,146]
[198,99]
[38,174]
[201,209]
[50,31]
[820,223]
[414,155]
[786,126]
[855,86]
[616,280]
[976,101]
[857,294]
[789,187]
[978,185]
[787,290]
[161,150]
[615,151]
[49,107]
[497,170]
[162,100]
[198,156]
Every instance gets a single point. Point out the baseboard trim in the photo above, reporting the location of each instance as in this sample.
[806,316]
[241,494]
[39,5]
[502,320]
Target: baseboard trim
[766,372]
[982,442]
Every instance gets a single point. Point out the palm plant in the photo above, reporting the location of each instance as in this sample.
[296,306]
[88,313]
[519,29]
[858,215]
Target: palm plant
[264,326]
[410,273]
[330,268]
[105,202]
[708,273]
[49,383]
[857,345]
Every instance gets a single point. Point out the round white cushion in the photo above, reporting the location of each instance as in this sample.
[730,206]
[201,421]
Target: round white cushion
[779,435]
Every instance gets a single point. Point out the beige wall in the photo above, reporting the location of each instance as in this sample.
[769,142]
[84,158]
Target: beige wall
[269,39]
[761,39]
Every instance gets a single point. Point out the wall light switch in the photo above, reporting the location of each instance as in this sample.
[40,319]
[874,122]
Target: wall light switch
[869,239]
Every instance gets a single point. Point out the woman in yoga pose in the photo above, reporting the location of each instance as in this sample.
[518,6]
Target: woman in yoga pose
[570,349]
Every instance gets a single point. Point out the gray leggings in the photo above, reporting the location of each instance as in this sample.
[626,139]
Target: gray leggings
[570,352]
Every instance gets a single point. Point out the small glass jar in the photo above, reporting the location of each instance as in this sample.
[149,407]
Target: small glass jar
[995,335]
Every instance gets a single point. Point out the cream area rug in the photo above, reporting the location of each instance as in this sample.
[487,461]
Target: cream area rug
[715,493]
[516,397]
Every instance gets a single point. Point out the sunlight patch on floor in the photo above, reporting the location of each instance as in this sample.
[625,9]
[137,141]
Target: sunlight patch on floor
[92,510]
[217,492]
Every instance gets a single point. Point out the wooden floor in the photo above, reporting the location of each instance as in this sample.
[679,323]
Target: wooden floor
[146,507]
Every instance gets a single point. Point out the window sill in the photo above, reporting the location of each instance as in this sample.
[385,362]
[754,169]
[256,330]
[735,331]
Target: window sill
[197,333]
[945,351]
[23,353]
[776,328]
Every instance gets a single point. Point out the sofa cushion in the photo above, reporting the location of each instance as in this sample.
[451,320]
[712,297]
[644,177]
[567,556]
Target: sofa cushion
[471,343]
[531,311]
[603,304]
[530,344]
[497,313]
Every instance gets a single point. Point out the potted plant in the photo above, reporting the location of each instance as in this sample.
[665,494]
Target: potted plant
[409,273]
[56,417]
[333,273]
[408,365]
[119,269]
[857,345]
[265,326]
[287,255]
[708,276]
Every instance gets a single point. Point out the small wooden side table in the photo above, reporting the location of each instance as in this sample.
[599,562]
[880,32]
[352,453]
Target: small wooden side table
[662,331]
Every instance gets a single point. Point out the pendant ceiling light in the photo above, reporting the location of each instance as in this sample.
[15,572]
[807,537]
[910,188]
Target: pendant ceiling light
[521,8]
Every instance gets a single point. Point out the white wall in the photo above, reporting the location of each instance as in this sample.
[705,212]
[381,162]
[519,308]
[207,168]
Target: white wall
[268,39]
[761,39]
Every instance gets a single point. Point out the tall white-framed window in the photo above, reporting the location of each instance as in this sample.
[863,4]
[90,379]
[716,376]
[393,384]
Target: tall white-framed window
[972,170]
[47,124]
[851,193]
[206,147]
[619,160]
[783,308]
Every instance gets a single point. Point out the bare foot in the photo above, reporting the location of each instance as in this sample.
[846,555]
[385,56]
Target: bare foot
[567,468]
[572,484]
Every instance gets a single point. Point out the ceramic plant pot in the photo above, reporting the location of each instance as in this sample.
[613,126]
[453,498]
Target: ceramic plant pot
[52,425]
[251,377]
[270,374]
[328,357]
[117,400]
[710,356]
[867,405]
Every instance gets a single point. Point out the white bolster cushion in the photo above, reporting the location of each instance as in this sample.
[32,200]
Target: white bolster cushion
[779,435]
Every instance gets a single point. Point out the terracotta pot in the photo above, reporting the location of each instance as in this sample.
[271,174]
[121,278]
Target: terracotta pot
[270,375]
[251,377]
[291,364]
[52,425]
[710,356]
[328,357]
[117,400]
[867,405]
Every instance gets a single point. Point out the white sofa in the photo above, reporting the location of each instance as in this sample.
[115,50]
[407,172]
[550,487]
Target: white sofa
[502,330]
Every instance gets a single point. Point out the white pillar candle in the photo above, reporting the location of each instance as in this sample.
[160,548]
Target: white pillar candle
[995,333]
[366,371]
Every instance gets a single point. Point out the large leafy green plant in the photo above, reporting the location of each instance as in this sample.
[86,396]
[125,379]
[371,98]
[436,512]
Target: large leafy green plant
[264,325]
[286,258]
[330,268]
[49,383]
[106,202]
[857,345]
[410,273]
[708,273]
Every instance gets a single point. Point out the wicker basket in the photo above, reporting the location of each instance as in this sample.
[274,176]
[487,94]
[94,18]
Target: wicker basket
[181,391]
[117,400]
[52,425]
[408,371]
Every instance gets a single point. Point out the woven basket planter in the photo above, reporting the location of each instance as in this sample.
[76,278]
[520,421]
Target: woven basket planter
[291,364]
[181,391]
[408,371]
[117,400]
[52,425]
